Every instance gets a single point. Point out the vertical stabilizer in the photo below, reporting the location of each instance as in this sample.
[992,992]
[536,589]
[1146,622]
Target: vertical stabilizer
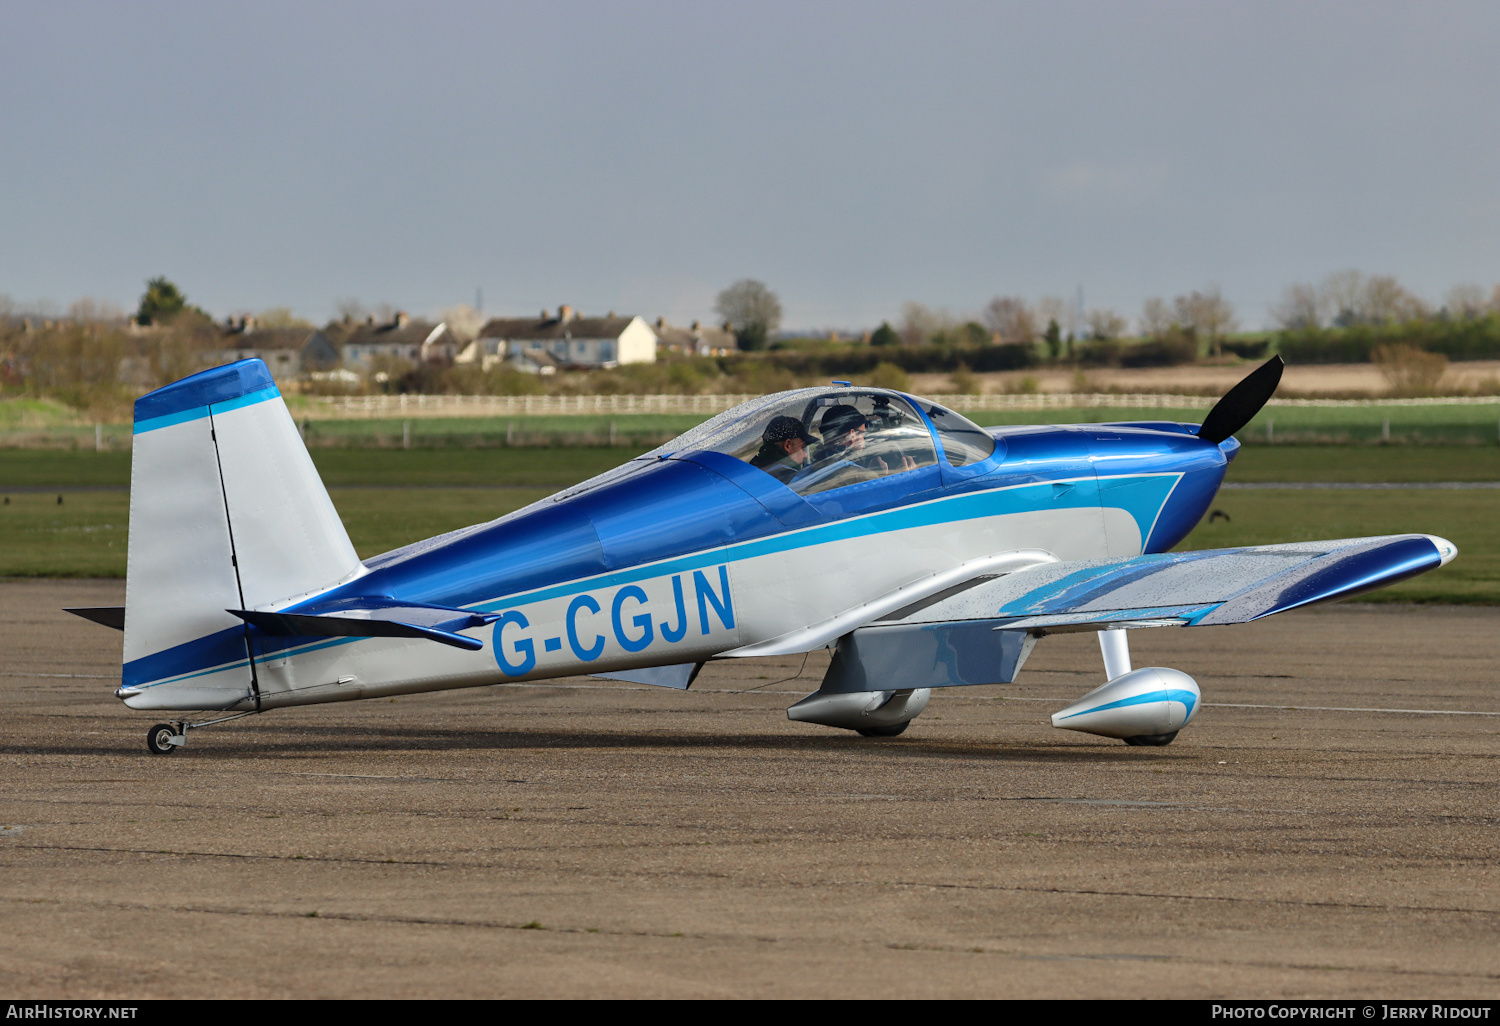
[226,512]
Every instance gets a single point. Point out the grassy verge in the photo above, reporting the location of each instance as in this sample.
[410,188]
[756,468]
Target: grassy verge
[559,467]
[555,468]
[85,536]
[1467,518]
[1400,464]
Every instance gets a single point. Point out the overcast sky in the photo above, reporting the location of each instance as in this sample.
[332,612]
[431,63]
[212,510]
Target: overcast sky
[641,156]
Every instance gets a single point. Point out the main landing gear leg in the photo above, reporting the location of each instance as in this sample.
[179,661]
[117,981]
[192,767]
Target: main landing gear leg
[166,738]
[1114,645]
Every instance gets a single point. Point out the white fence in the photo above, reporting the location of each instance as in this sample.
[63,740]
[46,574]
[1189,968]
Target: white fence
[408,406]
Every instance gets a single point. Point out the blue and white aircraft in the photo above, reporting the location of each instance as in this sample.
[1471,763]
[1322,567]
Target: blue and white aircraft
[925,551]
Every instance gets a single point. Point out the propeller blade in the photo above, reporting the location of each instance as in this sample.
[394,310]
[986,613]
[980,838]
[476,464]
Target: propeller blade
[1242,402]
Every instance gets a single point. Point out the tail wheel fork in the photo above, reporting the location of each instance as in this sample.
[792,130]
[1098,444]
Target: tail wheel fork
[166,738]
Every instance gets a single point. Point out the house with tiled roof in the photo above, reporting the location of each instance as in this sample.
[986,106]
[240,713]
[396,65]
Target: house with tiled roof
[568,339]
[288,352]
[697,339]
[362,344]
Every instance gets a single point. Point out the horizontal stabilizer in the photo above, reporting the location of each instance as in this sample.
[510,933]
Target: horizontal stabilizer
[1203,588]
[373,618]
[109,616]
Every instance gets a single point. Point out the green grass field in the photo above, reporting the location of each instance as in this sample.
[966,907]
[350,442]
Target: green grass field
[391,497]
[1477,425]
[1466,518]
[557,468]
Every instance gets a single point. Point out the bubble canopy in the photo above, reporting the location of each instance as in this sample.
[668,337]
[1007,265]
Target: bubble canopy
[819,440]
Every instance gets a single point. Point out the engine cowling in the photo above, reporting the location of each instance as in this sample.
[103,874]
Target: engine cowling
[1148,702]
[861,710]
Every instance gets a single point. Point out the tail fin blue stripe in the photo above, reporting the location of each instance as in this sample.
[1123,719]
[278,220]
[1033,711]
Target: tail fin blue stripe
[198,412]
[206,388]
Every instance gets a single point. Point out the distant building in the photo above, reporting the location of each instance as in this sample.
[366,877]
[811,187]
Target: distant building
[695,340]
[361,344]
[288,352]
[566,340]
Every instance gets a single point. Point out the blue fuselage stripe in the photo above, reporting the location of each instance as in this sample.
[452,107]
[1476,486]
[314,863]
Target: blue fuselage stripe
[1142,500]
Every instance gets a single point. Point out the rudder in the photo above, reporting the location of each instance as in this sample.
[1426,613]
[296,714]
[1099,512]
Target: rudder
[227,511]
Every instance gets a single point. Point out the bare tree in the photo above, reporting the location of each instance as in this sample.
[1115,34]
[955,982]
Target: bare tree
[350,309]
[280,317]
[1207,313]
[1466,301]
[1052,308]
[1344,294]
[1156,317]
[1495,300]
[919,323]
[1105,324]
[1386,299]
[1011,319]
[751,310]
[89,310]
[1301,306]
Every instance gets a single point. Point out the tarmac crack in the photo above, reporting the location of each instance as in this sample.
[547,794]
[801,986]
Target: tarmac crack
[236,855]
[362,917]
[1165,896]
[537,926]
[1181,960]
[910,884]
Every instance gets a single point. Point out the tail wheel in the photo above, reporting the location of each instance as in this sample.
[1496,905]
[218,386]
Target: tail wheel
[1151,740]
[884,731]
[159,739]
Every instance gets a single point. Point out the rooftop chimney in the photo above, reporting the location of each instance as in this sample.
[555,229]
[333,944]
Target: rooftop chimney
[402,318]
[565,313]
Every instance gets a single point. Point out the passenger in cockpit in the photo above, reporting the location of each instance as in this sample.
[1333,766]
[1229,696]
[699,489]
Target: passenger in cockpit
[783,448]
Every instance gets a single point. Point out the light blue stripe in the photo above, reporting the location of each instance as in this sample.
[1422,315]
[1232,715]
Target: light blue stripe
[180,417]
[1187,698]
[968,506]
[199,412]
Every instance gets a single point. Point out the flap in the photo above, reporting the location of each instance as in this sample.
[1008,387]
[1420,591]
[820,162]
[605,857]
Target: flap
[679,675]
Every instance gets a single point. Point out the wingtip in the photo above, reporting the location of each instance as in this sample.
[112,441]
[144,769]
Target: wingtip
[1446,549]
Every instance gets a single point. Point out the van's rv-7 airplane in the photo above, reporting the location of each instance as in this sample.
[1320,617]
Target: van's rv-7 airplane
[925,551]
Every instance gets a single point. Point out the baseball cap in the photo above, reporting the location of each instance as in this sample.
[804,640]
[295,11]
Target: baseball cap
[784,429]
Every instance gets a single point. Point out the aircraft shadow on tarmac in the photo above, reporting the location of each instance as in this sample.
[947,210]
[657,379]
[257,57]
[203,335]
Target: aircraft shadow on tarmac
[324,740]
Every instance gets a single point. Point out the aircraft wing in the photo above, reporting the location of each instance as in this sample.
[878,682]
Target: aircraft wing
[1194,589]
[983,634]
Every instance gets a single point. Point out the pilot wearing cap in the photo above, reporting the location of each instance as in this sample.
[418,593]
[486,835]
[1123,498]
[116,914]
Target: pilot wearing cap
[845,433]
[783,448]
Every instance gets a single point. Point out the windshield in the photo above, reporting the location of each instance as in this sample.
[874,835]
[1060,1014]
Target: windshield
[964,442]
[820,442]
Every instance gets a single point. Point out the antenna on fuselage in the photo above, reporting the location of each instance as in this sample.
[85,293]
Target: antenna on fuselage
[1242,402]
